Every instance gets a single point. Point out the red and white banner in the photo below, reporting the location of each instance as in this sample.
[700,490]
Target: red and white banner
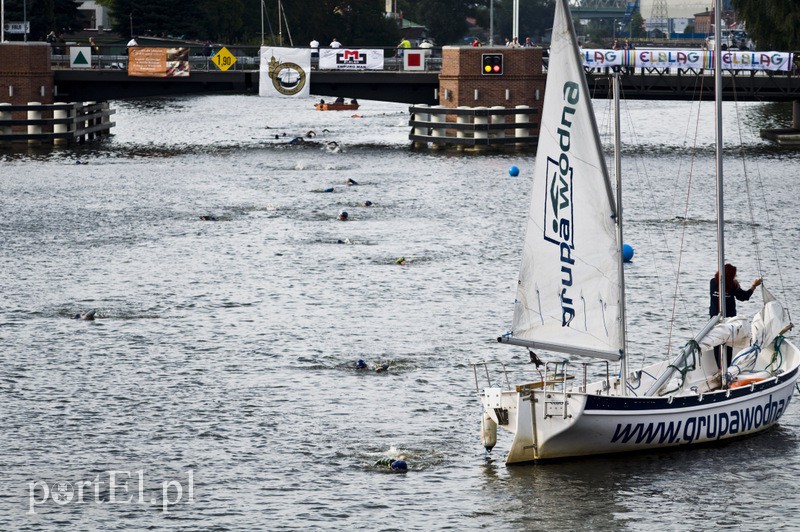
[346,59]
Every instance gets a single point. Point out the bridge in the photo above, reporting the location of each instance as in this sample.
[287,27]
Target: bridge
[417,87]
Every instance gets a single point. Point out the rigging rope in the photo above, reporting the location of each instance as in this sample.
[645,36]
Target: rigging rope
[750,205]
[765,210]
[685,224]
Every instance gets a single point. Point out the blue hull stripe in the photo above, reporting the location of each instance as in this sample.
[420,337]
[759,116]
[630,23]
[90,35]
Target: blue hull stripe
[602,402]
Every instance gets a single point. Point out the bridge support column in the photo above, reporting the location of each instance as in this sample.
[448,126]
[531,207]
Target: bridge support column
[521,132]
[34,129]
[462,133]
[4,115]
[25,73]
[466,83]
[497,119]
[482,134]
[421,131]
[60,128]
[786,137]
[438,132]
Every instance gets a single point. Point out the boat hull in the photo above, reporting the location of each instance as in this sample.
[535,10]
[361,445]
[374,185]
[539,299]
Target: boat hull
[336,106]
[554,425]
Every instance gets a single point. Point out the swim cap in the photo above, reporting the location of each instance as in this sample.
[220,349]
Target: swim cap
[399,465]
[343,215]
[361,363]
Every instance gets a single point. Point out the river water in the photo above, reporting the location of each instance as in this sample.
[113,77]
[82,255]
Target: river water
[219,375]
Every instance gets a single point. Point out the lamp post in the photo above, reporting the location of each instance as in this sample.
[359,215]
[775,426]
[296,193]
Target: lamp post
[491,22]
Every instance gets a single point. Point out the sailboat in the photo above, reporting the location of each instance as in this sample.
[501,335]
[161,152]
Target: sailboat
[570,300]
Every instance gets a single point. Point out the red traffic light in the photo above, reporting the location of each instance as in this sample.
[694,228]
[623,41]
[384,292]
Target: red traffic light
[492,64]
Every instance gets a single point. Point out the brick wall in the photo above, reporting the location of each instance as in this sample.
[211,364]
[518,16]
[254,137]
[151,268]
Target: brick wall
[461,76]
[26,68]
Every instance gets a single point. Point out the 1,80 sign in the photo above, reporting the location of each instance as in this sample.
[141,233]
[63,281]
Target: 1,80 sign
[224,59]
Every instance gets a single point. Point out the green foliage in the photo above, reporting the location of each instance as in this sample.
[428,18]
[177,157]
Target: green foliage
[535,18]
[637,26]
[61,16]
[353,22]
[772,24]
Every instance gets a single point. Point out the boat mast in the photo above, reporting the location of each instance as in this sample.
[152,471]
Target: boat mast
[718,145]
[623,363]
[280,25]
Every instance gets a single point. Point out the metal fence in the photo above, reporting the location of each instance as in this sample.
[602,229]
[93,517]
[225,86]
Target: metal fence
[247,58]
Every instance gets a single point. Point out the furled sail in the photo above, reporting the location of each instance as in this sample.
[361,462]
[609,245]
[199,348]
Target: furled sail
[569,290]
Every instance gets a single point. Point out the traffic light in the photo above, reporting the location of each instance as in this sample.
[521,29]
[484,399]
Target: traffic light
[492,65]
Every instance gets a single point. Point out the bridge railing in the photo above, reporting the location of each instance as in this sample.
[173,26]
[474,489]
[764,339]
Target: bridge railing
[247,58]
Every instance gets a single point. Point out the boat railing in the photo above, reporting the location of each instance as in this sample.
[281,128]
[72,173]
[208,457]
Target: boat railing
[485,365]
[586,365]
[556,375]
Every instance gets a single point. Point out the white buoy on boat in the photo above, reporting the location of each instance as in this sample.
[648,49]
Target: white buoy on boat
[488,432]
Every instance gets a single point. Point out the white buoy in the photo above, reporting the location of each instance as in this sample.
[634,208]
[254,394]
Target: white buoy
[488,432]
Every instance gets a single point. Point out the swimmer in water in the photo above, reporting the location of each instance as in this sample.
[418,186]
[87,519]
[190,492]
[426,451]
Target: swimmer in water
[86,316]
[343,215]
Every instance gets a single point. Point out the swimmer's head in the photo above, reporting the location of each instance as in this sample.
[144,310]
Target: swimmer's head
[343,215]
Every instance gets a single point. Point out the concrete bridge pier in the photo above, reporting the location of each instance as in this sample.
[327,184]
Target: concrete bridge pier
[786,137]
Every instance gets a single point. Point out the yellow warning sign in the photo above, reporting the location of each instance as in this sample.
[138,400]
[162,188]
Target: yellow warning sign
[224,59]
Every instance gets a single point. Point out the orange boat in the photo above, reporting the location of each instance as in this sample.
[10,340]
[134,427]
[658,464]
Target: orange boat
[336,106]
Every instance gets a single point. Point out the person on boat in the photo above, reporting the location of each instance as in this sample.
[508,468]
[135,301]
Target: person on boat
[353,102]
[733,291]
[339,100]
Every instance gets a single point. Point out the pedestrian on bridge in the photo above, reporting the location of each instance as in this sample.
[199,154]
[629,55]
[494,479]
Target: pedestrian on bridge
[405,43]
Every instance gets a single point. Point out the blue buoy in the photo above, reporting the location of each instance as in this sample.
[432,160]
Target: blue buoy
[627,252]
[399,465]
[513,171]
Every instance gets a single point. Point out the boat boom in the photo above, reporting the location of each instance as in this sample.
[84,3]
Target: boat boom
[593,353]
[679,360]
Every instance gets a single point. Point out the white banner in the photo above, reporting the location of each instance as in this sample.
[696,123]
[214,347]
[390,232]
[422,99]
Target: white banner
[675,58]
[345,59]
[284,71]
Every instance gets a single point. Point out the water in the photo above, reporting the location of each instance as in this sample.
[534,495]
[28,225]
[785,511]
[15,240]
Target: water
[226,349]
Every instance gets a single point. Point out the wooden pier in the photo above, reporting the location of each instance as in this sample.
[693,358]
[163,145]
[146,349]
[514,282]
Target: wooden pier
[57,123]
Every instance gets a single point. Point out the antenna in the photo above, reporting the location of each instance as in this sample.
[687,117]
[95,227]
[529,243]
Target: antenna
[659,17]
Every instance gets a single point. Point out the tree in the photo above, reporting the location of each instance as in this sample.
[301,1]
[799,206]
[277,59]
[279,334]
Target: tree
[772,24]
[535,18]
[61,16]
[637,26]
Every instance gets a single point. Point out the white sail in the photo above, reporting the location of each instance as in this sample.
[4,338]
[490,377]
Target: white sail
[569,290]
